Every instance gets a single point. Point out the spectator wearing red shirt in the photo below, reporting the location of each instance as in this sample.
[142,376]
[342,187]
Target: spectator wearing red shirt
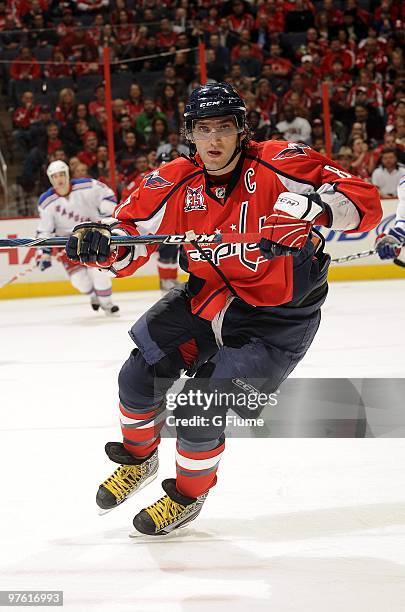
[88,155]
[266,100]
[64,111]
[53,141]
[365,91]
[99,102]
[270,16]
[25,66]
[94,32]
[336,52]
[387,7]
[245,37]
[310,74]
[210,22]
[134,103]
[281,67]
[372,52]
[88,63]
[240,19]
[361,14]
[314,46]
[305,95]
[27,113]
[23,7]
[335,17]
[166,38]
[389,141]
[57,66]
[66,29]
[79,41]
[124,30]
[363,163]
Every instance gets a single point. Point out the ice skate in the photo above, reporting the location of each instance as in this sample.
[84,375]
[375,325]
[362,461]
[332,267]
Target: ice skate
[110,308]
[170,512]
[132,475]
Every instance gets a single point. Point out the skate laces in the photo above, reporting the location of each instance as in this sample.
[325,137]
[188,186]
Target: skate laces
[164,511]
[123,480]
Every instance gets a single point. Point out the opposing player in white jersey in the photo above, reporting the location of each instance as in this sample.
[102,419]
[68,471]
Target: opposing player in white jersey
[66,203]
[389,245]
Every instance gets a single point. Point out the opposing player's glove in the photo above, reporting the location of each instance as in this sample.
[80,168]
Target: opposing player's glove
[90,244]
[388,246]
[286,230]
[44,259]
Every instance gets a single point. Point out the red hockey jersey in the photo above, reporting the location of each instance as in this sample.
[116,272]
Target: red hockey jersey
[177,198]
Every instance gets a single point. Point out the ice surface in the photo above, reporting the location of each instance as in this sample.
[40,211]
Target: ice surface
[293,525]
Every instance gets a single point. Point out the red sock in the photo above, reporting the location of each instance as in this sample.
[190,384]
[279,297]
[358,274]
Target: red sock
[197,471]
[141,430]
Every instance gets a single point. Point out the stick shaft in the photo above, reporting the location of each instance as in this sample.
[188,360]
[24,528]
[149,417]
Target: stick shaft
[354,256]
[60,241]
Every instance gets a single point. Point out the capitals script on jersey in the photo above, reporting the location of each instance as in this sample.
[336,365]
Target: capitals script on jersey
[184,202]
[88,200]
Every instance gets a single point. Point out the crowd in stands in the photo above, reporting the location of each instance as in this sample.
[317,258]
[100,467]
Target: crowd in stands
[275,52]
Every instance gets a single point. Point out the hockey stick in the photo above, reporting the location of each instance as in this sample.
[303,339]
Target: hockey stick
[179,239]
[354,256]
[187,238]
[23,273]
[399,261]
[18,275]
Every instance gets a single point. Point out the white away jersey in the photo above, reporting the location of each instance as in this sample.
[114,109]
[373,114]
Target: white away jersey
[88,200]
[400,217]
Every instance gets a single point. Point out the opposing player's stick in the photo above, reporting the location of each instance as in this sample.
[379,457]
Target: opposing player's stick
[354,256]
[18,275]
[24,272]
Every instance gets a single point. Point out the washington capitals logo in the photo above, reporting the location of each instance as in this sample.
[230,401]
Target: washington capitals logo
[194,199]
[155,181]
[293,150]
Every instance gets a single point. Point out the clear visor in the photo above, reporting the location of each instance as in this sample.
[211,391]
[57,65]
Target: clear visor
[204,129]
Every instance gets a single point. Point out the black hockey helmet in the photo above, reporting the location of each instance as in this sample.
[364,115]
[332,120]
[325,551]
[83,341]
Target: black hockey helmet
[214,100]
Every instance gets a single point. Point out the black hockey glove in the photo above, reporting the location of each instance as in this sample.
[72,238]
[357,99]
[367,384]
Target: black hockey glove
[90,244]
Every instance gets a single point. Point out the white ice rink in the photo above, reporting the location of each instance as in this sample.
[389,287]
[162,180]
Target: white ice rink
[293,525]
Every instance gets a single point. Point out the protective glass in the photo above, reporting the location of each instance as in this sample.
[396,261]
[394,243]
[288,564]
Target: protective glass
[204,129]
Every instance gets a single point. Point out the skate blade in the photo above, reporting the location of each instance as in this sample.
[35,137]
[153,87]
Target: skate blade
[102,511]
[180,532]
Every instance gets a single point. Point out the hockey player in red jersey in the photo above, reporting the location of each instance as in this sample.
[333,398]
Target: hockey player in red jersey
[248,311]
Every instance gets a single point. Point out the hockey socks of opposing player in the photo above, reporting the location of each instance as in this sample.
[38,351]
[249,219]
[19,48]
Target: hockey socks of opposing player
[132,475]
[170,512]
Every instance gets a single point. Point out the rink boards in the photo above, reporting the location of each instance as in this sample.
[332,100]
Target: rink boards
[54,281]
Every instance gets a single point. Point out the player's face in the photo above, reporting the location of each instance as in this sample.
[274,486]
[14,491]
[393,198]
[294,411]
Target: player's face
[60,182]
[215,140]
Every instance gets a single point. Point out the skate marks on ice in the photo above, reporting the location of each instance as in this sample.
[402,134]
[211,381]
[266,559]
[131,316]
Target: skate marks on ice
[294,561]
